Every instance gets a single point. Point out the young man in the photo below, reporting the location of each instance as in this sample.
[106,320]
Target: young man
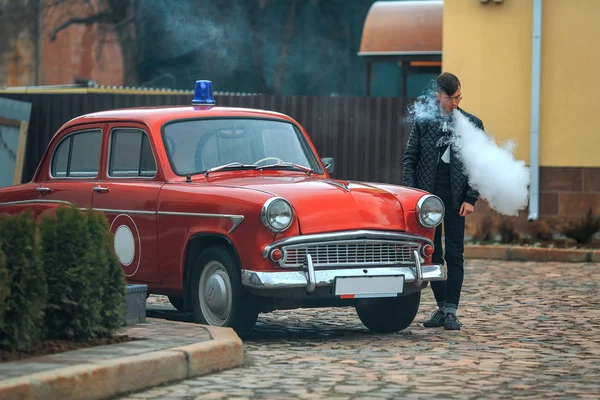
[431,163]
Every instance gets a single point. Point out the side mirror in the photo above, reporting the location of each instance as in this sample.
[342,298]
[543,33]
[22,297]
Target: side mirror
[329,164]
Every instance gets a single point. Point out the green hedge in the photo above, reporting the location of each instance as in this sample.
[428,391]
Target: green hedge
[4,286]
[66,285]
[85,292]
[111,276]
[23,317]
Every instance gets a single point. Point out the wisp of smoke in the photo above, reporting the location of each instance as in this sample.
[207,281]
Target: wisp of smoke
[492,170]
[425,107]
[500,179]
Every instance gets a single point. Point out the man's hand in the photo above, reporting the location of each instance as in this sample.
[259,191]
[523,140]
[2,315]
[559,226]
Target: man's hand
[466,209]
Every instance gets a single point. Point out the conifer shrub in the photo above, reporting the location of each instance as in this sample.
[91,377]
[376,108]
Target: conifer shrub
[74,276]
[583,231]
[111,275]
[23,317]
[4,286]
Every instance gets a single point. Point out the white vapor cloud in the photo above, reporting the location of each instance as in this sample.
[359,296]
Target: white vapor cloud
[500,179]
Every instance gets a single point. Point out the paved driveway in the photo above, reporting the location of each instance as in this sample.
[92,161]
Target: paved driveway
[530,330]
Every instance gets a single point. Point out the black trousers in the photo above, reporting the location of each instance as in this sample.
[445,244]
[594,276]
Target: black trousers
[454,231]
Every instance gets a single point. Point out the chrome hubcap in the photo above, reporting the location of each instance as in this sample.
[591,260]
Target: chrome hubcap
[215,293]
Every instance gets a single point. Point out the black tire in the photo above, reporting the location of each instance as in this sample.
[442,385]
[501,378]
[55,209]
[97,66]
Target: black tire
[214,267]
[177,302]
[388,315]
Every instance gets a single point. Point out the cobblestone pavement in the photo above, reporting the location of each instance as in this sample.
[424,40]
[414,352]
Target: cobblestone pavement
[531,330]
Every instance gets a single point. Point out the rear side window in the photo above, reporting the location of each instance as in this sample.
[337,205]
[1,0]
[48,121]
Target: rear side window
[130,154]
[77,155]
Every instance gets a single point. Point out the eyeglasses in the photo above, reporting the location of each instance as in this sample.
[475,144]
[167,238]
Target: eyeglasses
[449,99]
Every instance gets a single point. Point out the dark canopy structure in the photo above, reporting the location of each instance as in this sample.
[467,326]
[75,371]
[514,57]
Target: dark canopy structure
[406,32]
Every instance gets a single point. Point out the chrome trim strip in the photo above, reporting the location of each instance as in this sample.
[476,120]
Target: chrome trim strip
[235,219]
[320,238]
[345,187]
[298,279]
[418,270]
[311,277]
[110,210]
[10,203]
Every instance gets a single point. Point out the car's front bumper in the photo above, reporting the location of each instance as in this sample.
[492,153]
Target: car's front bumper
[310,278]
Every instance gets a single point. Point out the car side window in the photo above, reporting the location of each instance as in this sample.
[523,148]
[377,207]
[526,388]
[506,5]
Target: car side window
[130,154]
[77,155]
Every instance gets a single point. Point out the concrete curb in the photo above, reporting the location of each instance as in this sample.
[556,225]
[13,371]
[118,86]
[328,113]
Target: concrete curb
[108,378]
[523,253]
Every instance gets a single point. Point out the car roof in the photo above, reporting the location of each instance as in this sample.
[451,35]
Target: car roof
[161,114]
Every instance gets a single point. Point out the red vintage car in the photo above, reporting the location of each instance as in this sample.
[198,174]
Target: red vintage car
[230,212]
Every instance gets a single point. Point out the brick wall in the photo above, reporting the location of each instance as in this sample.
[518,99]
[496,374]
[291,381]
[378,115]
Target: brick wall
[78,52]
[566,194]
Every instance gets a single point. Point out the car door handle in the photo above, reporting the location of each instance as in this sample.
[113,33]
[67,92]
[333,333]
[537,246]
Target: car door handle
[43,189]
[100,189]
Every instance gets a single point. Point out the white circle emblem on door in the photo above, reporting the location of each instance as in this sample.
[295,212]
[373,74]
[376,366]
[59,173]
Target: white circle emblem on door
[127,243]
[124,245]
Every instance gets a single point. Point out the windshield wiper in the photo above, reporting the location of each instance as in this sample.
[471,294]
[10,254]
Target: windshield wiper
[233,165]
[288,165]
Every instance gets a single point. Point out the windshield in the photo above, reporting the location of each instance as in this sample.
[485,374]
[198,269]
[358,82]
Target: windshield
[196,146]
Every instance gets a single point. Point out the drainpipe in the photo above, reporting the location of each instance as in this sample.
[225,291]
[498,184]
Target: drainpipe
[534,155]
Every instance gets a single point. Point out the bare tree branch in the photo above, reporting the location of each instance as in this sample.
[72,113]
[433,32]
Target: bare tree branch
[92,19]
[120,24]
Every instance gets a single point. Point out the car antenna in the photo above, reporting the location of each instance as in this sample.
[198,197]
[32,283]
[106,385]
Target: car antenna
[188,177]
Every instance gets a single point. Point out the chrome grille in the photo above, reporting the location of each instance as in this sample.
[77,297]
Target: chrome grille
[350,253]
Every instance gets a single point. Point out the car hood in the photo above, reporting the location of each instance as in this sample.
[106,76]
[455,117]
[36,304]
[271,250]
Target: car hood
[328,205]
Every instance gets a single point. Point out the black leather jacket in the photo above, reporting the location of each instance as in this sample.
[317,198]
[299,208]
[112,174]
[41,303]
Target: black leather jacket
[421,158]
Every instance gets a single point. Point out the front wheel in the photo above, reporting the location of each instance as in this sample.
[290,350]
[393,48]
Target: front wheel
[218,296]
[389,314]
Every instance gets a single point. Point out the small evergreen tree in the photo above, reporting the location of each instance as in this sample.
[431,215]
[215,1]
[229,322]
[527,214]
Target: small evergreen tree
[4,287]
[111,278]
[24,305]
[74,295]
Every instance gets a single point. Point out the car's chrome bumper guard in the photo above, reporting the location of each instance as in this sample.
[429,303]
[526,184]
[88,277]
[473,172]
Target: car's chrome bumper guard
[310,278]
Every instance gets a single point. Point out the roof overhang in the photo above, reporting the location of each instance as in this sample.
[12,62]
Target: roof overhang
[409,30]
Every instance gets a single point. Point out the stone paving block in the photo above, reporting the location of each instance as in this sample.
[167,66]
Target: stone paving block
[530,329]
[13,389]
[486,252]
[542,254]
[225,351]
[108,378]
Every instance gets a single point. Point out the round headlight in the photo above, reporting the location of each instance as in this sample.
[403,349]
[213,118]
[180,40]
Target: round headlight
[430,211]
[277,214]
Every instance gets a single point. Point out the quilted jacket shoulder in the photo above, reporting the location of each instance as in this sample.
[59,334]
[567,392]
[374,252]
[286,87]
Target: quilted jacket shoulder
[421,158]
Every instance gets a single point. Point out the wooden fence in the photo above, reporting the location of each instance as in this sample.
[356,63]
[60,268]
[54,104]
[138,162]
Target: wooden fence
[365,135]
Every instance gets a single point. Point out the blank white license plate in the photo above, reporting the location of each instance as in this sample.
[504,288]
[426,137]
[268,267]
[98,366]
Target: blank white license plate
[368,286]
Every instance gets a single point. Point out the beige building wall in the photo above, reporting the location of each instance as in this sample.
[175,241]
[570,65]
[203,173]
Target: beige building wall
[489,47]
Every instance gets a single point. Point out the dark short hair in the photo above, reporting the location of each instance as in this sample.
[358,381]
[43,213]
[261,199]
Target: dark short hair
[447,83]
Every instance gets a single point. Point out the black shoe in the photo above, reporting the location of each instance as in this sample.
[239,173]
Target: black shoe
[451,323]
[436,319]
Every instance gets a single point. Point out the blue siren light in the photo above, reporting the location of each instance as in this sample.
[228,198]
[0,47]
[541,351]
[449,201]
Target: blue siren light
[203,94]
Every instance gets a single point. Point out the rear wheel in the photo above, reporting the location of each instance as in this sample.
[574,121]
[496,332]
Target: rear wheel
[389,314]
[218,296]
